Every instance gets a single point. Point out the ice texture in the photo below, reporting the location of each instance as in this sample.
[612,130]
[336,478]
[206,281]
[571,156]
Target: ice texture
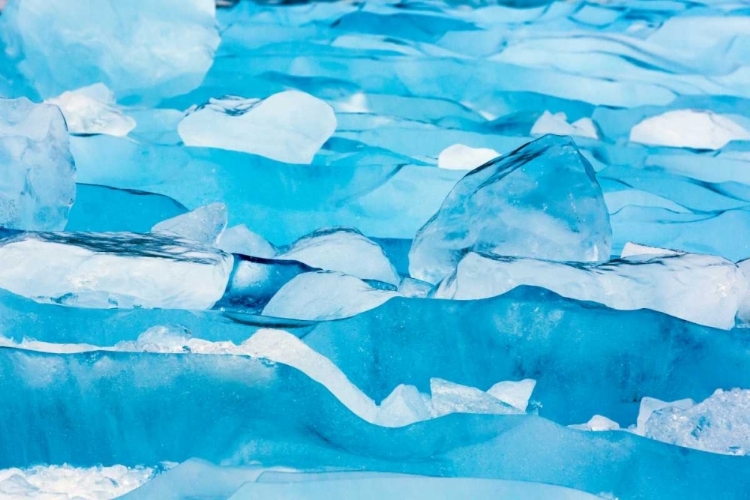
[689,128]
[204,225]
[289,126]
[239,239]
[153,48]
[540,201]
[105,270]
[92,110]
[37,172]
[461,157]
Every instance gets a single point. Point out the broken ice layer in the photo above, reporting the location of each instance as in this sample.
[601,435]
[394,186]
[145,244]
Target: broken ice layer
[203,225]
[460,157]
[121,270]
[92,110]
[289,126]
[37,173]
[689,128]
[540,201]
[704,289]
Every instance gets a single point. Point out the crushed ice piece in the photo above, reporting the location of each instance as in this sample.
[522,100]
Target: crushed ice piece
[240,240]
[743,309]
[106,270]
[514,393]
[204,225]
[404,406]
[461,157]
[636,249]
[37,173]
[689,128]
[448,397]
[557,124]
[91,110]
[541,201]
[410,287]
[650,405]
[597,423]
[290,126]
[344,250]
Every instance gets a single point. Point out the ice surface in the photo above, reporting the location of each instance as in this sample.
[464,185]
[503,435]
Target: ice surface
[204,225]
[518,205]
[344,250]
[461,157]
[289,126]
[156,49]
[37,178]
[689,128]
[239,239]
[704,289]
[557,123]
[92,110]
[122,270]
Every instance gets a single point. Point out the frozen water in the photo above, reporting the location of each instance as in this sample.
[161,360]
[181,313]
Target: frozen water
[689,128]
[448,397]
[204,225]
[289,126]
[37,173]
[650,405]
[113,270]
[92,110]
[598,423]
[557,123]
[344,250]
[239,239]
[540,201]
[409,287]
[516,394]
[461,157]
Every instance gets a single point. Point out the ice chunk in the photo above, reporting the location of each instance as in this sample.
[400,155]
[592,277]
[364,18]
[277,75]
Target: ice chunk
[704,289]
[650,405]
[153,48]
[290,126]
[104,270]
[448,397]
[557,124]
[460,157]
[204,224]
[689,128]
[344,250]
[540,201]
[410,287]
[37,173]
[325,295]
[598,423]
[516,394]
[239,239]
[91,110]
[636,249]
[404,406]
[743,312]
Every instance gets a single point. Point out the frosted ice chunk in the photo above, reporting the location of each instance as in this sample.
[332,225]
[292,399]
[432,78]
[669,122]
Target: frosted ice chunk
[404,406]
[37,173]
[290,126]
[204,224]
[598,423]
[104,270]
[650,405]
[460,157]
[516,394]
[159,48]
[557,124]
[743,310]
[239,239]
[448,397]
[91,110]
[344,250]
[540,201]
[410,287]
[689,128]
[635,249]
[704,289]
[325,295]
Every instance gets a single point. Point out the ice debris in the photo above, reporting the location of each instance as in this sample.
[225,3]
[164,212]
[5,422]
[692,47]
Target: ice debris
[240,240]
[92,110]
[557,123]
[689,128]
[597,423]
[461,157]
[204,225]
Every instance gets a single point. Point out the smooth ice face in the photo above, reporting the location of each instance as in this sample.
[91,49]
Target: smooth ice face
[557,124]
[689,128]
[540,201]
[325,295]
[239,239]
[37,173]
[704,289]
[204,224]
[344,250]
[105,270]
[290,126]
[91,110]
[460,157]
[160,48]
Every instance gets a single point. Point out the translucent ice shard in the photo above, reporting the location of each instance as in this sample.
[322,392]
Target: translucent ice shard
[325,295]
[104,270]
[344,250]
[460,157]
[37,173]
[557,123]
[689,128]
[204,224]
[289,126]
[92,110]
[153,48]
[239,239]
[704,289]
[448,397]
[516,394]
[540,201]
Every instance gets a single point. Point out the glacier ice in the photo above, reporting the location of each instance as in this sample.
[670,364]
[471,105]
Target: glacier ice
[461,157]
[518,205]
[37,184]
[239,239]
[689,128]
[104,270]
[557,123]
[290,126]
[92,110]
[204,225]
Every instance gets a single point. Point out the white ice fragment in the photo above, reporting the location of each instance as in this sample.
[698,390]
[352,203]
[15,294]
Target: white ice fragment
[356,103]
[204,224]
[239,239]
[688,128]
[743,310]
[598,423]
[650,405]
[404,406]
[516,394]
[557,124]
[637,250]
[92,110]
[461,157]
[290,126]
[410,287]
[448,397]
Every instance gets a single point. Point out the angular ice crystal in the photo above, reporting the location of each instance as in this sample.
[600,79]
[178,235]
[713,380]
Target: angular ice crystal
[91,110]
[325,295]
[156,48]
[105,270]
[704,289]
[557,124]
[650,405]
[404,406]
[689,128]
[37,173]
[540,201]
[448,397]
[344,250]
[460,157]
[516,394]
[289,126]
[409,287]
[239,239]
[204,224]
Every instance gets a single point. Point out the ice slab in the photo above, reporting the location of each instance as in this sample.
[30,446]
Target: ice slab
[461,157]
[689,128]
[204,225]
[37,175]
[239,239]
[92,110]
